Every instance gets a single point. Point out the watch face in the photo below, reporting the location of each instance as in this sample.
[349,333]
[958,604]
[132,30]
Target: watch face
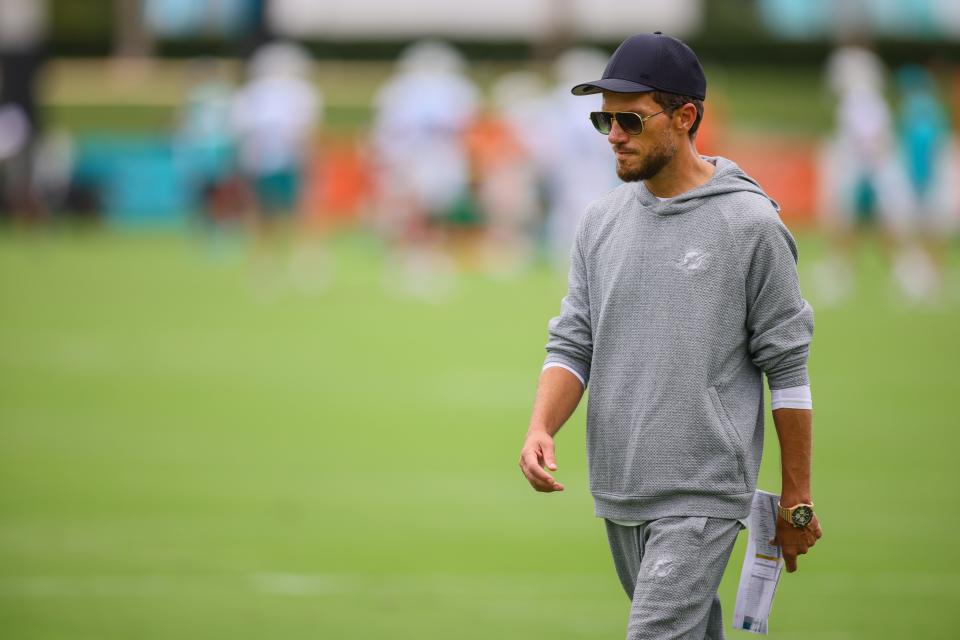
[802,516]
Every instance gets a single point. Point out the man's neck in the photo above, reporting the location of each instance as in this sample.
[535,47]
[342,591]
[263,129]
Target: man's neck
[686,171]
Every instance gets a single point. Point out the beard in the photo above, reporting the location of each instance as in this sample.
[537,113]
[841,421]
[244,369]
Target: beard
[650,164]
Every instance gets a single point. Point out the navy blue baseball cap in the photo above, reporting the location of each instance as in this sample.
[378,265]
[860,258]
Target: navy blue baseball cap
[650,62]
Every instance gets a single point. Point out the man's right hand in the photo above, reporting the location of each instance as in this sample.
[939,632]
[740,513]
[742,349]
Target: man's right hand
[536,457]
[795,542]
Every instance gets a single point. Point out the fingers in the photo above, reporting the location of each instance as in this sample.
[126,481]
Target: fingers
[795,542]
[790,554]
[549,456]
[538,478]
[812,533]
[791,561]
[815,526]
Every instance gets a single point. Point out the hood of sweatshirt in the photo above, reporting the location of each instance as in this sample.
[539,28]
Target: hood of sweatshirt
[728,178]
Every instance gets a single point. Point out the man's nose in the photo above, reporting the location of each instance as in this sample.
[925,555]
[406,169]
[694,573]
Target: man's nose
[617,134]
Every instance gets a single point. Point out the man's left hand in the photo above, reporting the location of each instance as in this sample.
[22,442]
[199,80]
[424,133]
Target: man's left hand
[795,542]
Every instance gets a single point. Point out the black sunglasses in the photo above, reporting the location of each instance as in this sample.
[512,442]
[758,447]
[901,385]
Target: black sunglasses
[630,122]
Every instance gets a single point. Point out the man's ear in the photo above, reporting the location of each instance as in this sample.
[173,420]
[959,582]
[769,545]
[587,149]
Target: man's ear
[688,115]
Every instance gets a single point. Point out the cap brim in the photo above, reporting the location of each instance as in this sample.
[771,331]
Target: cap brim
[614,85]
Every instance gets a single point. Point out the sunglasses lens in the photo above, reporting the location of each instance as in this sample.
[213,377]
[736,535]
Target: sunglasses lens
[601,121]
[630,122]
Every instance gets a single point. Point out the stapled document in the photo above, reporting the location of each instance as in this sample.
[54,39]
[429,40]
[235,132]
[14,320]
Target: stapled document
[762,565]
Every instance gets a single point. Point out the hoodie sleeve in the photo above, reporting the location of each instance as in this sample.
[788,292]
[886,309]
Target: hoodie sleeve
[570,340]
[779,320]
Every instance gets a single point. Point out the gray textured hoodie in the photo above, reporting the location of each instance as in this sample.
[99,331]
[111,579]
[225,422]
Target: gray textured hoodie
[673,311]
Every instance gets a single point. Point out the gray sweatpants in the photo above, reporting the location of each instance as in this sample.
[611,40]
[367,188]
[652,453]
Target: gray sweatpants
[670,569]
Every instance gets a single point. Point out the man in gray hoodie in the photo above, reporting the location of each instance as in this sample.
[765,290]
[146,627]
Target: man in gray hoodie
[683,293]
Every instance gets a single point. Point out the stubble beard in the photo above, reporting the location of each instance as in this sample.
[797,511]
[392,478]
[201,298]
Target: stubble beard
[650,164]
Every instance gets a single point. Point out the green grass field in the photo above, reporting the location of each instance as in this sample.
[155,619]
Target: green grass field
[181,459]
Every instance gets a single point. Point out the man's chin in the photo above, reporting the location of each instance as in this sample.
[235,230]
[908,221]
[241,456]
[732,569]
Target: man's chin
[630,174]
[647,167]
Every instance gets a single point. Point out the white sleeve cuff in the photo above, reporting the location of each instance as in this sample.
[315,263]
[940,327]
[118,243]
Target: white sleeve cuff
[792,398]
[563,366]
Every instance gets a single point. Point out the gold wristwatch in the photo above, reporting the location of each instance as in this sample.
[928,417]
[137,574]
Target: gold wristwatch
[799,515]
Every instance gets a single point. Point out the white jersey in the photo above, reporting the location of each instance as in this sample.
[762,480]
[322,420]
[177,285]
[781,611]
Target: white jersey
[576,161]
[418,135]
[273,117]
